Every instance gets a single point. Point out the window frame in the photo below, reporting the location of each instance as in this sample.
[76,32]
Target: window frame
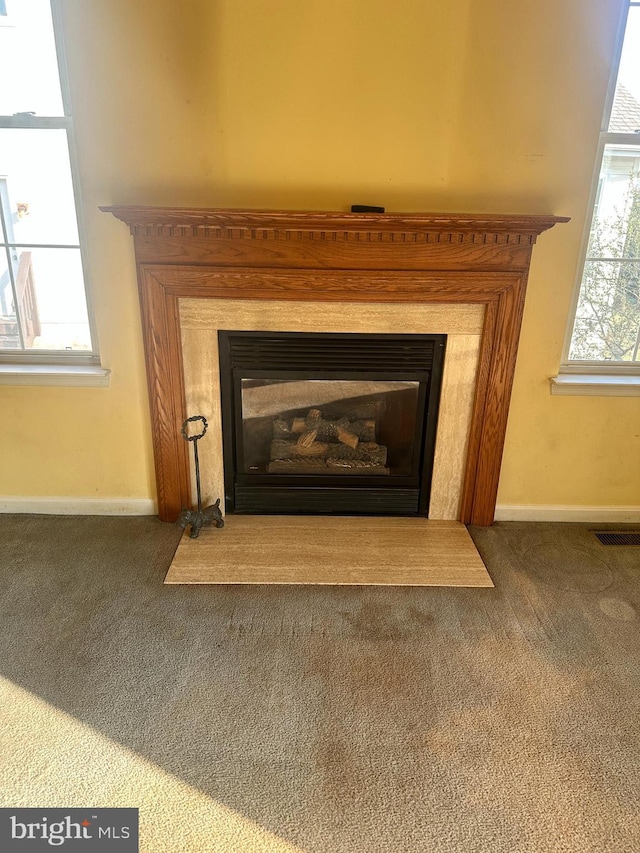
[584,366]
[64,122]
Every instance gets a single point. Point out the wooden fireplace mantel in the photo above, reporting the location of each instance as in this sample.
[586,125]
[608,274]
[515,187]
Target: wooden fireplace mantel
[332,257]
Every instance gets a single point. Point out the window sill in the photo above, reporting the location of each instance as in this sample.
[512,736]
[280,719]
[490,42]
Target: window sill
[595,385]
[63,375]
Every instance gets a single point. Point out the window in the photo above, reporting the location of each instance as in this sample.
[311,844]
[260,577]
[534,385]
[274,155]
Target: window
[606,329]
[43,305]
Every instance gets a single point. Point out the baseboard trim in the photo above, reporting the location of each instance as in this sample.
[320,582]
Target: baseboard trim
[77,506]
[145,506]
[541,512]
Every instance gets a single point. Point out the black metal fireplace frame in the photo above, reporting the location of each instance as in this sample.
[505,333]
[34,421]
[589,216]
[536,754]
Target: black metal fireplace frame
[264,493]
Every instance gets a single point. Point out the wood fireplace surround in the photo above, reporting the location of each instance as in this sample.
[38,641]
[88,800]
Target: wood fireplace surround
[417,258]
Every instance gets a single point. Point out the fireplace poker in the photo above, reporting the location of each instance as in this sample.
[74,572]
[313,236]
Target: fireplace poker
[211,515]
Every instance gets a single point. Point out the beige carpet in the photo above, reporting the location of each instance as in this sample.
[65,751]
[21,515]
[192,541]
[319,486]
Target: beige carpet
[330,550]
[324,719]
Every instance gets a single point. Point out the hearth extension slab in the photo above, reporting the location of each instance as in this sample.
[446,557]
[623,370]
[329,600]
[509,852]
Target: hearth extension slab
[263,549]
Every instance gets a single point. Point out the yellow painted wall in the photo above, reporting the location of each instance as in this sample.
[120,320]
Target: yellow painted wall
[467,105]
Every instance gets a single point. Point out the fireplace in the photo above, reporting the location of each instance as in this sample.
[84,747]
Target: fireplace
[296,267]
[329,423]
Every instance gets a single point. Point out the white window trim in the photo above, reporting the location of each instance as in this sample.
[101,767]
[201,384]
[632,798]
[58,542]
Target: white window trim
[32,357]
[594,374]
[62,375]
[595,385]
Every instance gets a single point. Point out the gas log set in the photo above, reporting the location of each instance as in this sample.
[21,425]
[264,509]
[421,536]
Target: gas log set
[320,443]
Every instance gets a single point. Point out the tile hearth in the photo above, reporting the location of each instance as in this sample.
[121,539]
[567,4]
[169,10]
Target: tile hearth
[260,549]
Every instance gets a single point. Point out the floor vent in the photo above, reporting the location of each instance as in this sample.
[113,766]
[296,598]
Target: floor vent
[611,538]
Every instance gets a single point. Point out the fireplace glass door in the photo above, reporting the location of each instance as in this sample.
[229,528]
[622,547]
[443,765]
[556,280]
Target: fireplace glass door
[329,423]
[318,427]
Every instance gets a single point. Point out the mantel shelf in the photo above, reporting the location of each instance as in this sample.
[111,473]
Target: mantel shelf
[141,217]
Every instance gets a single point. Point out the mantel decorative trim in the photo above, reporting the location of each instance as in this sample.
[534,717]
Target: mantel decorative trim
[288,224]
[187,223]
[320,257]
